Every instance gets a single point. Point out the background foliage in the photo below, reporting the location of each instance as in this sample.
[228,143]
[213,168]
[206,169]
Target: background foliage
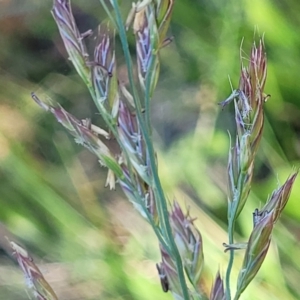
[90,242]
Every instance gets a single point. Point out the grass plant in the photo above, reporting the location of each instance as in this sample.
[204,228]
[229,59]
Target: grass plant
[132,163]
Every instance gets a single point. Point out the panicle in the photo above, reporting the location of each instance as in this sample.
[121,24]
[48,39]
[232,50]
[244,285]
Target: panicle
[123,110]
[279,198]
[132,140]
[260,237]
[248,99]
[84,135]
[137,182]
[34,278]
[217,291]
[104,75]
[169,275]
[256,251]
[147,41]
[73,40]
[189,243]
[164,9]
[151,21]
[139,194]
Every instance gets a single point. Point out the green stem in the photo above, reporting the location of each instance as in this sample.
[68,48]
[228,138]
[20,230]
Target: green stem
[231,226]
[108,12]
[231,223]
[111,126]
[137,196]
[164,218]
[156,229]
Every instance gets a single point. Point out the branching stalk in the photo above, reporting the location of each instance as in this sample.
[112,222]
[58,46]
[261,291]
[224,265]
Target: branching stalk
[162,203]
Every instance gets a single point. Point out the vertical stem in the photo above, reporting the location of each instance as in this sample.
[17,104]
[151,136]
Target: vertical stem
[231,257]
[232,211]
[164,218]
[107,11]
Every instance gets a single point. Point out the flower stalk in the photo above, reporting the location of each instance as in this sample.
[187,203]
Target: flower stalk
[126,112]
[158,191]
[260,238]
[125,108]
[248,103]
[249,100]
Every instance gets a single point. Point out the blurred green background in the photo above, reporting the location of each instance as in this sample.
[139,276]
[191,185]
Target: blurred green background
[89,242]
